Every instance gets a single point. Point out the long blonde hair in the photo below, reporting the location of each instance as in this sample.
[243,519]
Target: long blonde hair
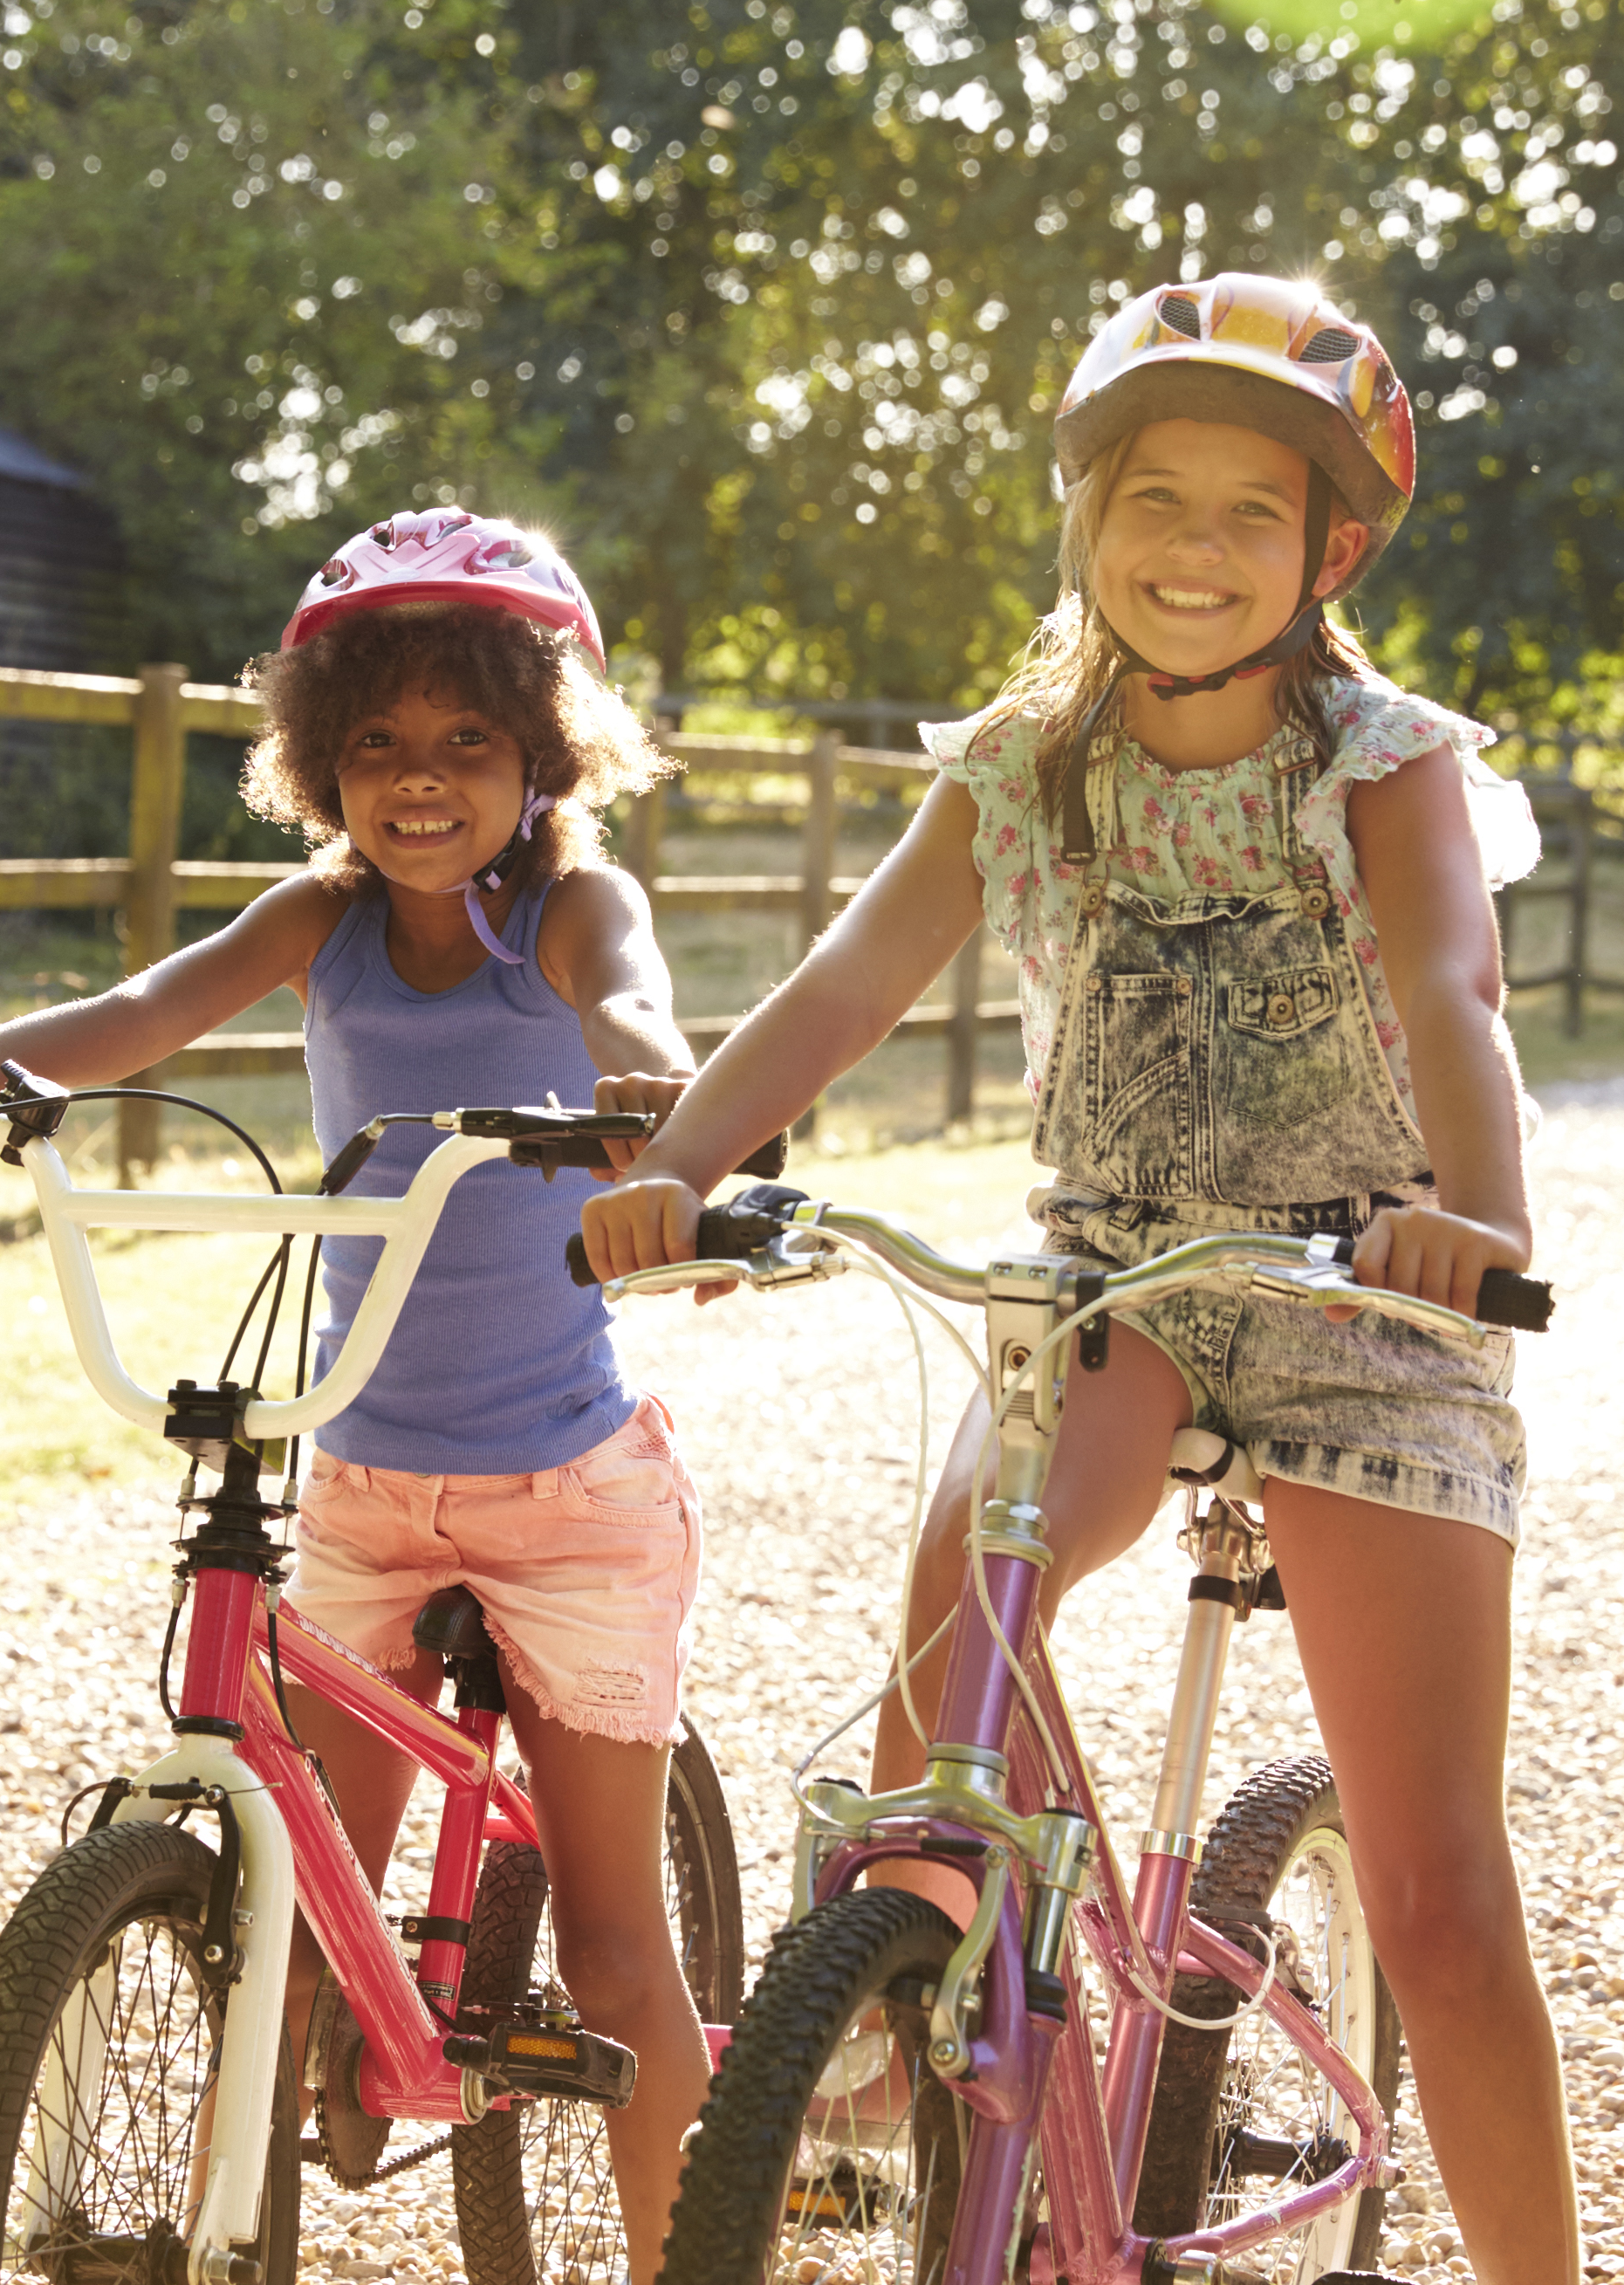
[1072,656]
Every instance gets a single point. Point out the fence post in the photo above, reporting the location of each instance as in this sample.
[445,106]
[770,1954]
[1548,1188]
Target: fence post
[157,782]
[646,825]
[817,846]
[1581,811]
[962,1030]
[817,863]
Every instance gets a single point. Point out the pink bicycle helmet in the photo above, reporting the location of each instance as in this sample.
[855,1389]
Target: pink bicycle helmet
[446,555]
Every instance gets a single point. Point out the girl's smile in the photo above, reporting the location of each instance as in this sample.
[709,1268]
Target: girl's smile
[1186,599]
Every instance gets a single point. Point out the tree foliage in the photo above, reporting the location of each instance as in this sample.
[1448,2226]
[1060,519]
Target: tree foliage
[767,307]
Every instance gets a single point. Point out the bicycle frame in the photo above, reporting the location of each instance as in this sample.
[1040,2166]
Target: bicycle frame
[294,1848]
[291,1845]
[993,1800]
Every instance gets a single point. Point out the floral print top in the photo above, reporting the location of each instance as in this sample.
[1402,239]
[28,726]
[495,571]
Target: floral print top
[1178,832]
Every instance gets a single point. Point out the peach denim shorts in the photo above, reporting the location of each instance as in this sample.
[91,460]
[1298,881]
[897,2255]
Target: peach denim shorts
[587,1573]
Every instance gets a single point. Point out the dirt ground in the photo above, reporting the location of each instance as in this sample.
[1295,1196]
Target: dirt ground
[799,1417]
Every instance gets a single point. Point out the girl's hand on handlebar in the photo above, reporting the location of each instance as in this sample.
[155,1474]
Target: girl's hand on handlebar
[643,1225]
[1438,1257]
[635,1091]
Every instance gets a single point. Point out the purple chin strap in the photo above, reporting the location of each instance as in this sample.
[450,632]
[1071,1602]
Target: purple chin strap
[490,877]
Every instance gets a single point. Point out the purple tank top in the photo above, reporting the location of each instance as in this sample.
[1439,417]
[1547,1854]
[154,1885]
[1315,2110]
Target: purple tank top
[499,1364]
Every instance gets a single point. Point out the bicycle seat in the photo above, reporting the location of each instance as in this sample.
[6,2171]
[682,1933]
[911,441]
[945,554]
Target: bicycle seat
[1198,1456]
[451,1623]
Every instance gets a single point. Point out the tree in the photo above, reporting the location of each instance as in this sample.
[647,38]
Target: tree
[242,278]
[765,305]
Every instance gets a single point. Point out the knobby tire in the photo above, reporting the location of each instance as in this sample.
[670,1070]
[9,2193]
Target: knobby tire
[1278,1848]
[801,2151]
[109,2030]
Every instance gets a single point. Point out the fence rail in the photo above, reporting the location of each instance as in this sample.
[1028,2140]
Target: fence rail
[152,884]
[161,707]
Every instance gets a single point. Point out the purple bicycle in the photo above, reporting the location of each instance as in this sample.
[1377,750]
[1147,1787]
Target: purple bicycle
[905,2102]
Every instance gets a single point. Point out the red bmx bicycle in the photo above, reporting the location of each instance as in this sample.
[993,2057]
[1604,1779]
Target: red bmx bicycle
[148,2109]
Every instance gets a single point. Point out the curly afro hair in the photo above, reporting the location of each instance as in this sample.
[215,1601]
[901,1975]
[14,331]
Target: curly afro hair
[580,742]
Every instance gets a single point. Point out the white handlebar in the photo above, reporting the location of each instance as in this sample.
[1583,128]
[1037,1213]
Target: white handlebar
[405,1224]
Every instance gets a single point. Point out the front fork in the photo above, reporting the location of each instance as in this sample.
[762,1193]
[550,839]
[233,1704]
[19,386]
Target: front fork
[262,1926]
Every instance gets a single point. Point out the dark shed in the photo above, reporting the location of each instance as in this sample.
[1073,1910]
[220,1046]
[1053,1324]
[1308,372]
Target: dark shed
[63,788]
[61,583]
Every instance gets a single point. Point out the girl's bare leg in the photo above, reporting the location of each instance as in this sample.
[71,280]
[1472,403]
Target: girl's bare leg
[1403,1625]
[600,1814]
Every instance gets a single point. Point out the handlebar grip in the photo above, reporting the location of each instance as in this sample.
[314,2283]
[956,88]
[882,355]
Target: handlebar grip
[729,1233]
[1505,1298]
[588,1150]
[1524,1304]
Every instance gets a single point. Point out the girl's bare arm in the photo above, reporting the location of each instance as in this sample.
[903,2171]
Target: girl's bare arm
[97,1042]
[1419,861]
[596,948]
[895,937]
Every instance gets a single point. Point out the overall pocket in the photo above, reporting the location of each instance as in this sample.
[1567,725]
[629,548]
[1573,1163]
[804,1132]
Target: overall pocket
[1280,1065]
[1301,1107]
[1137,1084]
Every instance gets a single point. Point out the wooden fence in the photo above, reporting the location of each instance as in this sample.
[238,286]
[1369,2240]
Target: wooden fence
[152,884]
[1582,836]
[161,706]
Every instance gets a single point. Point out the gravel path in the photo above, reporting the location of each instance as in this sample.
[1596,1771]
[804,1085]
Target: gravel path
[798,1415]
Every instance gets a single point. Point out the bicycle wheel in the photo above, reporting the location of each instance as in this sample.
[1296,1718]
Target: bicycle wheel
[109,2036]
[535,2192]
[827,2149]
[1240,2114]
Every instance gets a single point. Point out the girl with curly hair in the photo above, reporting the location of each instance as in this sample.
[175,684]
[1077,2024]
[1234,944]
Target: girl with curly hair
[438,726]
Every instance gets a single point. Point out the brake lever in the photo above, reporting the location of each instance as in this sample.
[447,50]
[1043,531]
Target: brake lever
[786,1259]
[1327,1288]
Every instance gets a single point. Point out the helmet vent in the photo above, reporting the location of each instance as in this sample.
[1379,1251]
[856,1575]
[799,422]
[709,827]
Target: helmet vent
[1181,314]
[1331,345]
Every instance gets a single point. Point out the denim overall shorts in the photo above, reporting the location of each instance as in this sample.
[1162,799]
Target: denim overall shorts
[1215,1067]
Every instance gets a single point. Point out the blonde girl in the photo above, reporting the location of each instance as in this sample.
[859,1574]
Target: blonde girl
[1247,883]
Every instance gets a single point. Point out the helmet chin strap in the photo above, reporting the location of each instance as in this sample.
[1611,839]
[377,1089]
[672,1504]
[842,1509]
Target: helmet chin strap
[490,877]
[1077,840]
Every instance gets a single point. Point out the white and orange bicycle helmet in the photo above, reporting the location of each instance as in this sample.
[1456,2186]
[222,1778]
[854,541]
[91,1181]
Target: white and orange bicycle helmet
[448,556]
[1246,352]
[1263,353]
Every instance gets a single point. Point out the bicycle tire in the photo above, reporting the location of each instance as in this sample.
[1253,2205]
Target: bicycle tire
[536,2182]
[1279,1845]
[785,2162]
[118,1919]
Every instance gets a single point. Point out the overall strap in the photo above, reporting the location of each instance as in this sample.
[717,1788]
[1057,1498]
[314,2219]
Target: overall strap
[1077,842]
[1296,768]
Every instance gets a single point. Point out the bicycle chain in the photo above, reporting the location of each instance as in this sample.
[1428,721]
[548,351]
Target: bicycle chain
[424,2151]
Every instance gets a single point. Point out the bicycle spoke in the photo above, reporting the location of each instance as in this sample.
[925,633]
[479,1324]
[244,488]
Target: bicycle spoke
[117,2097]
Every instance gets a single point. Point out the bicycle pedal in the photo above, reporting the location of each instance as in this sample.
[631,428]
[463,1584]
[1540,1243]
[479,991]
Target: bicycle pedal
[837,2199]
[549,2059]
